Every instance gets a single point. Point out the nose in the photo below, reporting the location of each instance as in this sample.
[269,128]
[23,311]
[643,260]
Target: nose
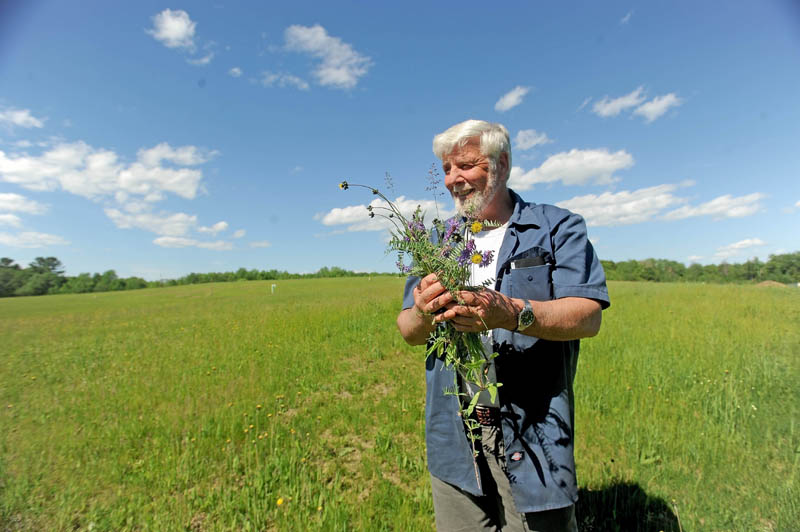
[453,177]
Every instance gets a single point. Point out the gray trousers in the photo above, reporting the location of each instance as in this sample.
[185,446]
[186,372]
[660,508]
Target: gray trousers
[459,511]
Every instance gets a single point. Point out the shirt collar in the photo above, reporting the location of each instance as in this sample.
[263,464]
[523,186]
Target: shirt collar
[524,213]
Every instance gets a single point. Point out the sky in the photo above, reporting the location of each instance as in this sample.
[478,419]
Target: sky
[161,139]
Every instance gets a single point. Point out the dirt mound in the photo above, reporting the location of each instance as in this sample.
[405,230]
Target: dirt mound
[771,283]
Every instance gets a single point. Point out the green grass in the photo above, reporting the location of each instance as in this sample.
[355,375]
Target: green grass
[133,411]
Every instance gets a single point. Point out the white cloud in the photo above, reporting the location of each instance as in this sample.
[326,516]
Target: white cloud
[235,72]
[694,258]
[31,239]
[174,29]
[657,106]
[201,61]
[356,217]
[89,172]
[340,66]
[239,233]
[511,99]
[626,18]
[575,167]
[176,224]
[608,107]
[178,242]
[625,207]
[528,138]
[260,244]
[11,220]
[271,79]
[184,155]
[17,203]
[721,207]
[584,104]
[214,229]
[797,204]
[732,250]
[20,118]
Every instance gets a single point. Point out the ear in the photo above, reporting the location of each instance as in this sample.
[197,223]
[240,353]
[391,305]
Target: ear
[502,166]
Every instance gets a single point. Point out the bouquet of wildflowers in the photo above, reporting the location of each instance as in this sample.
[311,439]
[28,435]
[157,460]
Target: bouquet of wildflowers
[446,250]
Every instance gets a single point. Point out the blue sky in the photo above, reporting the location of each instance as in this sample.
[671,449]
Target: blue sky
[159,139]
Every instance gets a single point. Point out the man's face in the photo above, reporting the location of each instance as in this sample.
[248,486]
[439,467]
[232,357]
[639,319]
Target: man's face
[468,179]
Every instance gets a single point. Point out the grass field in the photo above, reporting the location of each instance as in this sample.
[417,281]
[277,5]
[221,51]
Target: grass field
[226,407]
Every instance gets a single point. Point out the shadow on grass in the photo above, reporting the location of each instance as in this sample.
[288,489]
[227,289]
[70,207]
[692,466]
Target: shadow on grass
[623,507]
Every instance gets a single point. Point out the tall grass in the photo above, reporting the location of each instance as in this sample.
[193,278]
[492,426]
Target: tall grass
[226,407]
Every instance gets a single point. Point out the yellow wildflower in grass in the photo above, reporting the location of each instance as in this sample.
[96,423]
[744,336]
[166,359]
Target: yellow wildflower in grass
[279,501]
[476,227]
[476,258]
[319,508]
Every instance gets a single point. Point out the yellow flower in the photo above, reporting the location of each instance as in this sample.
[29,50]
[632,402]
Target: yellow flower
[279,501]
[476,258]
[476,227]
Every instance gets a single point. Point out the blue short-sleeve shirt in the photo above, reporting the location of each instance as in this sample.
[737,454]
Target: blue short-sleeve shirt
[545,255]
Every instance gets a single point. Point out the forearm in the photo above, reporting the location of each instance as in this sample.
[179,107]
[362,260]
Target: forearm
[414,326]
[569,318]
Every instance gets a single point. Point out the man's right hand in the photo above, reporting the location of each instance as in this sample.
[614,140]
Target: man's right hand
[430,295]
[416,323]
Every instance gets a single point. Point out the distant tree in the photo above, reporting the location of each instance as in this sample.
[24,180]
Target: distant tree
[46,265]
[11,279]
[5,262]
[134,283]
[105,282]
[784,268]
[40,284]
[78,285]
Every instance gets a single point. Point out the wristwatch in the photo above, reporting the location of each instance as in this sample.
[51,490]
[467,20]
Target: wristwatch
[525,318]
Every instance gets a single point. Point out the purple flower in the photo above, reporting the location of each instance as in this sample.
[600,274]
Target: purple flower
[466,255]
[416,226]
[487,258]
[402,267]
[452,226]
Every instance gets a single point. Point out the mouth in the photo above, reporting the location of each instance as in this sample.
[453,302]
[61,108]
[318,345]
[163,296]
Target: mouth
[463,195]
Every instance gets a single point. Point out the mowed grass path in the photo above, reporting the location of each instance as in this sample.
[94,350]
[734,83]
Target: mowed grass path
[226,407]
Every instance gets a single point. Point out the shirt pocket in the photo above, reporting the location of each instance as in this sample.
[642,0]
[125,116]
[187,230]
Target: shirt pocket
[533,282]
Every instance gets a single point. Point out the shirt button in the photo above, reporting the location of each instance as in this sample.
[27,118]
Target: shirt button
[530,277]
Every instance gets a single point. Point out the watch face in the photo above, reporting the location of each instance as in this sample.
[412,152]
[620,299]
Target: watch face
[525,318]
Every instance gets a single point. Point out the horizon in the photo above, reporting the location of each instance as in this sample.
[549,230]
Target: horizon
[161,140]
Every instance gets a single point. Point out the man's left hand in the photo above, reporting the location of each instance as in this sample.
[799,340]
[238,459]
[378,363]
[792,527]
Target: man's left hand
[480,311]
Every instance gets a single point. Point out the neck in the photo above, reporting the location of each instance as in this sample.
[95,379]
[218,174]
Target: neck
[500,209]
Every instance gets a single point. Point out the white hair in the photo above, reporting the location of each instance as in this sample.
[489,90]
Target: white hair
[494,141]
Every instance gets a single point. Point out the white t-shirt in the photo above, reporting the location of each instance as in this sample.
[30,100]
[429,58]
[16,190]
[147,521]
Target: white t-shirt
[488,240]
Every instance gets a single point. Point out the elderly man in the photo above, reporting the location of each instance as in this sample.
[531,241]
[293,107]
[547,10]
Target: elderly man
[549,291]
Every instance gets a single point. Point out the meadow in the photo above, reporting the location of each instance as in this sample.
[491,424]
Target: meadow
[229,407]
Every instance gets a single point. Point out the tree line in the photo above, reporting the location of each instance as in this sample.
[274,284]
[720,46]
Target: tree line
[45,275]
[783,268]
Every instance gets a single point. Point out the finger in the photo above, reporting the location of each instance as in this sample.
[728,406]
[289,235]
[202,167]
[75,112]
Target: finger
[455,311]
[439,302]
[428,280]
